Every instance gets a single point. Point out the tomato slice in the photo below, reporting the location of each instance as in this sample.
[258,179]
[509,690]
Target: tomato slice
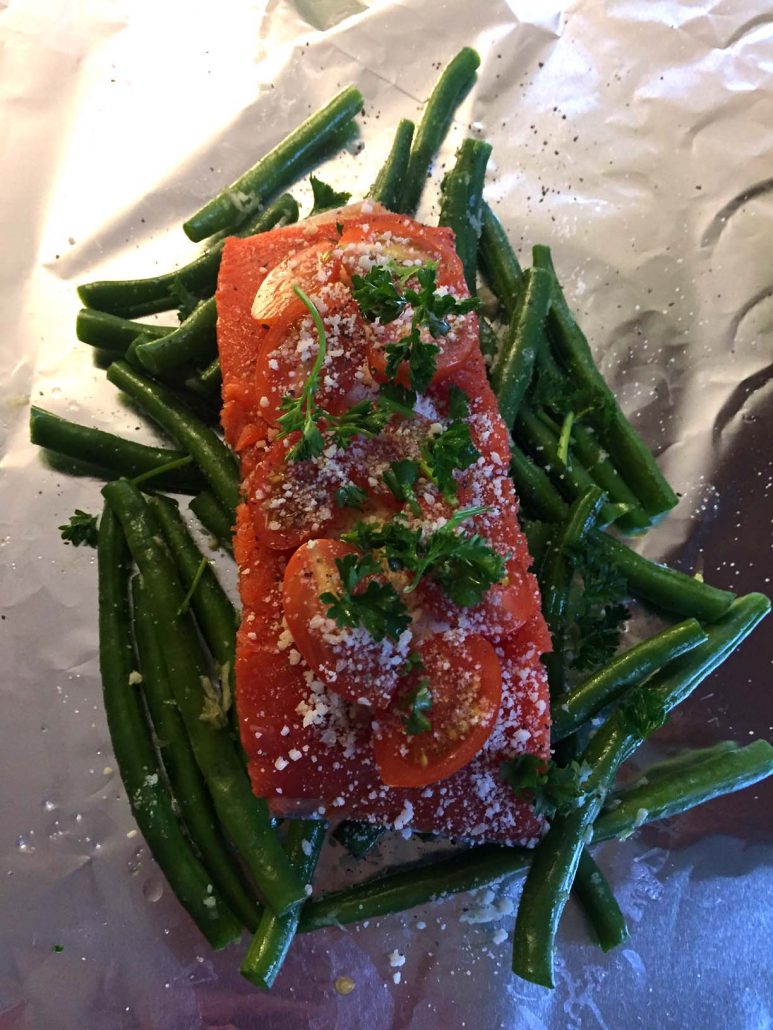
[348,661]
[405,241]
[290,347]
[464,680]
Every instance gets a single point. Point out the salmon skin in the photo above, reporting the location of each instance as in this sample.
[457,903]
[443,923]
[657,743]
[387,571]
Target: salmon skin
[309,748]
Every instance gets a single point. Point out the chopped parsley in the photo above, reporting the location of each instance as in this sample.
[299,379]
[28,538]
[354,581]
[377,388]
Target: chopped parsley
[325,197]
[350,496]
[596,612]
[448,451]
[401,478]
[302,414]
[81,528]
[379,299]
[552,788]
[464,567]
[377,608]
[415,704]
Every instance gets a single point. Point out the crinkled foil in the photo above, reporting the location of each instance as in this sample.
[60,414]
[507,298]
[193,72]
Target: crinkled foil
[633,136]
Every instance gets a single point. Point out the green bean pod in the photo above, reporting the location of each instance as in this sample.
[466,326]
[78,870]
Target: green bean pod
[625,446]
[193,342]
[244,817]
[514,366]
[186,780]
[498,263]
[135,297]
[450,89]
[214,517]
[215,615]
[211,378]
[268,948]
[599,903]
[626,670]
[209,452]
[113,455]
[274,172]
[664,587]
[461,197]
[534,488]
[389,181]
[114,334]
[134,752]
[672,788]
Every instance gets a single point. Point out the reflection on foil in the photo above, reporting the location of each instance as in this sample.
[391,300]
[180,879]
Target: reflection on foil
[636,139]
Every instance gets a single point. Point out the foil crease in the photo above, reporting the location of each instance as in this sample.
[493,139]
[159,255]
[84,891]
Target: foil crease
[632,137]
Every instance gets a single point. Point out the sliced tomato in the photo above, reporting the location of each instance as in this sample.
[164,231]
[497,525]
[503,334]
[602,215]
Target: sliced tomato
[348,661]
[464,682]
[289,501]
[289,349]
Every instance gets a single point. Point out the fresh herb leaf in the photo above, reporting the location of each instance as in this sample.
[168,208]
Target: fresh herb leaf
[595,612]
[552,788]
[432,308]
[397,399]
[412,663]
[421,358]
[415,704]
[458,402]
[81,528]
[350,496]
[362,419]
[643,712]
[300,414]
[464,567]
[325,197]
[377,296]
[401,478]
[57,948]
[448,451]
[377,608]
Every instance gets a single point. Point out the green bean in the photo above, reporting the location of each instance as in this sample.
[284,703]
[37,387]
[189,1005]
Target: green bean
[193,342]
[625,446]
[214,517]
[112,333]
[461,197]
[663,587]
[244,817]
[358,837]
[555,859]
[599,903]
[277,170]
[134,752]
[186,781]
[539,436]
[135,297]
[484,865]
[498,263]
[274,936]
[215,615]
[212,377]
[514,366]
[450,89]
[534,488]
[609,479]
[671,788]
[208,450]
[114,455]
[626,670]
[667,768]
[389,181]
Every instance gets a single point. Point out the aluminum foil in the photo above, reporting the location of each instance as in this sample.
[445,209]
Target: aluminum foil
[632,136]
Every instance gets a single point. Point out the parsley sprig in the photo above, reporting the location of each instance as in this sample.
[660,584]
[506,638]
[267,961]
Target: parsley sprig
[379,299]
[552,788]
[464,567]
[302,414]
[80,528]
[325,197]
[377,608]
[415,704]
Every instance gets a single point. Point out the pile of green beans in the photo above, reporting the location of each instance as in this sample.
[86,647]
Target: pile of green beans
[168,629]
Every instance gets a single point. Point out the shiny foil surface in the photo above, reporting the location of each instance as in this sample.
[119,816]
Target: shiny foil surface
[634,137]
